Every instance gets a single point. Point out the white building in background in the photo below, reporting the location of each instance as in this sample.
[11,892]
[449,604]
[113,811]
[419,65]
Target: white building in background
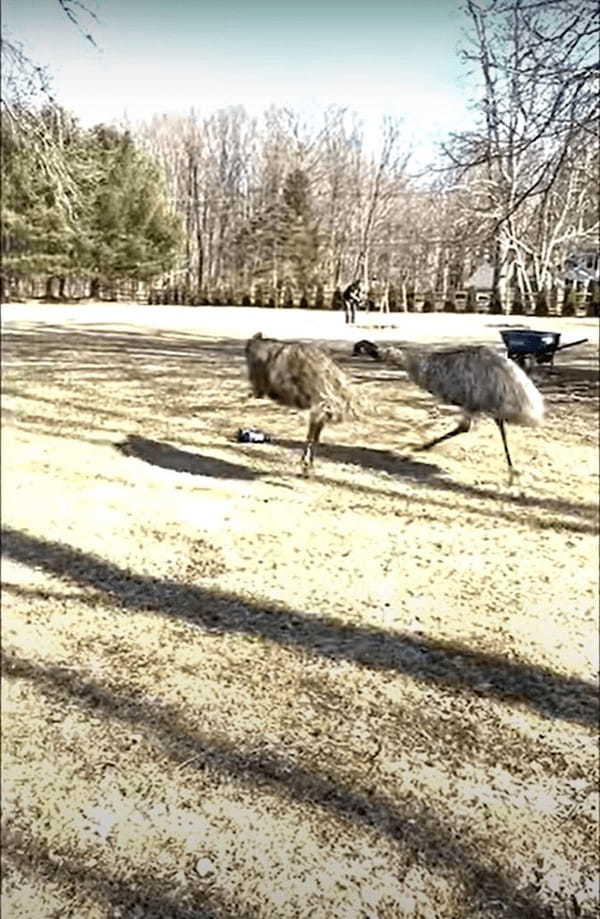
[583,266]
[482,281]
[483,276]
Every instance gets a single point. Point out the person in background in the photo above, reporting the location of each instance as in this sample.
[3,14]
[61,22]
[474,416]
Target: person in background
[352,300]
[378,295]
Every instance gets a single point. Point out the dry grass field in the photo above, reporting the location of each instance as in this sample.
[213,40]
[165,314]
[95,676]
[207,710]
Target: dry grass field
[231,691]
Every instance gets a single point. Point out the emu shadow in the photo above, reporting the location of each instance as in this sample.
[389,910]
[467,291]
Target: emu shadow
[168,457]
[378,460]
[450,665]
[433,476]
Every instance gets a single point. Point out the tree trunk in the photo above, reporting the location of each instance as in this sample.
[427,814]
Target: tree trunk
[498,298]
[199,219]
[403,296]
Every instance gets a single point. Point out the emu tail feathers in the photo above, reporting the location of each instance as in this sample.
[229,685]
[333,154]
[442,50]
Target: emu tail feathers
[531,402]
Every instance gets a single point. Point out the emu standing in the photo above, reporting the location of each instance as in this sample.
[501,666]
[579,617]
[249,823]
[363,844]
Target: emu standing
[477,379]
[304,377]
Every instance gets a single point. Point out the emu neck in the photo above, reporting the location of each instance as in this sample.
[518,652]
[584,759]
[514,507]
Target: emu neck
[415,364]
[410,361]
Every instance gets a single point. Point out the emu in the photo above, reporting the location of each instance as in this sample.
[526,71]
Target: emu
[301,376]
[477,379]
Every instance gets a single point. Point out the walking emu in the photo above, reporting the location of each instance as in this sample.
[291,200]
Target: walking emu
[477,379]
[300,376]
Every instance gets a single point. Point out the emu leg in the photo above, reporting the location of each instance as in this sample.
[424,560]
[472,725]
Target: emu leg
[462,427]
[315,426]
[512,472]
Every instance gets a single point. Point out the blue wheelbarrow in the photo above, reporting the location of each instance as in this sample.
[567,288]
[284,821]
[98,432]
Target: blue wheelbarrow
[527,347]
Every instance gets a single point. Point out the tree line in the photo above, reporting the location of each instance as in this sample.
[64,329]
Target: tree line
[279,209]
[102,216]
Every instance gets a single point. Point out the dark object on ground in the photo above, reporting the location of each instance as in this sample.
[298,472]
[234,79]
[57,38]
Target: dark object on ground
[252,436]
[525,346]
[300,376]
[477,379]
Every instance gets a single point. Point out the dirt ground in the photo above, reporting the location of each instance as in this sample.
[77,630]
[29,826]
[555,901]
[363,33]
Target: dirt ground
[231,691]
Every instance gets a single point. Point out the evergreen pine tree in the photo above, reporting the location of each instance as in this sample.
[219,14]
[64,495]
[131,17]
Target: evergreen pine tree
[38,203]
[280,245]
[128,228]
[104,215]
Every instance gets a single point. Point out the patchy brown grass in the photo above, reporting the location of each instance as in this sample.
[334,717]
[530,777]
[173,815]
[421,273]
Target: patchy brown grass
[230,691]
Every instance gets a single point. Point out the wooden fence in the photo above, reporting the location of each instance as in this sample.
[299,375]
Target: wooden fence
[570,300]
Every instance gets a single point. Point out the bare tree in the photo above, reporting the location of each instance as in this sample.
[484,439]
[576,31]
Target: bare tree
[340,190]
[390,167]
[537,66]
[26,83]
[30,113]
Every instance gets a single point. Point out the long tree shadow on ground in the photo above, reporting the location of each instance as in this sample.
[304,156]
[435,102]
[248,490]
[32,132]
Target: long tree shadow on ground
[140,891]
[569,383]
[447,664]
[416,828]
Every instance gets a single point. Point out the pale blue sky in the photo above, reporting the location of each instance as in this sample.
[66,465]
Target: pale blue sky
[376,57]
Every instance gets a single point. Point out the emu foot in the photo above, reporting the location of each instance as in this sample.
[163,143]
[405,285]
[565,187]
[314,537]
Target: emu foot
[306,466]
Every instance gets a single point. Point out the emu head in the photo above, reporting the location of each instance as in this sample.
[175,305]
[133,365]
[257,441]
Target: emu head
[257,337]
[366,347]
